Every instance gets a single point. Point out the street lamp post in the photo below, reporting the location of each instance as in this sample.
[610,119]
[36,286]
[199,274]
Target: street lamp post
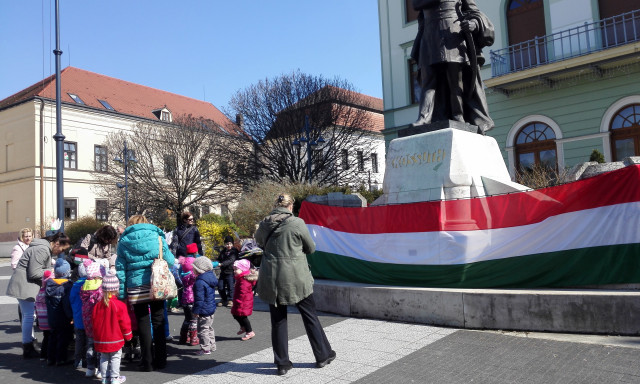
[128,156]
[310,142]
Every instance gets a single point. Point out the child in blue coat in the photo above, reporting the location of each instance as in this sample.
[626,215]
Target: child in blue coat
[204,303]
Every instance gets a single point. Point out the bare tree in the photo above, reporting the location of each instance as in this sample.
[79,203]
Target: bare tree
[274,113]
[187,163]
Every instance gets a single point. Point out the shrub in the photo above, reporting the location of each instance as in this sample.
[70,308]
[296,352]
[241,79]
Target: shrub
[540,176]
[168,224]
[255,204]
[82,227]
[213,234]
[596,156]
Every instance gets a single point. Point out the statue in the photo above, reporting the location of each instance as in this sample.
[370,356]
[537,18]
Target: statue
[447,48]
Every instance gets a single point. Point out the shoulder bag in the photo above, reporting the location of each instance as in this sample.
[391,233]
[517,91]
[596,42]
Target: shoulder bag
[163,285]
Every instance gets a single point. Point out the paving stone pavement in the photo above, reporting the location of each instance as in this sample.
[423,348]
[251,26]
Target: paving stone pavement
[368,351]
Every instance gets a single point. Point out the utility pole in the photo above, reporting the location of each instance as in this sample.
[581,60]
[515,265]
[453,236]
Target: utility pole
[59,137]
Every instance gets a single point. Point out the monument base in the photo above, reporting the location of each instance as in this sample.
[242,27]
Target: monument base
[444,164]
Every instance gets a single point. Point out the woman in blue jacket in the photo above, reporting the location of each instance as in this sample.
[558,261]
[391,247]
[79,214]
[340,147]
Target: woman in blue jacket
[137,249]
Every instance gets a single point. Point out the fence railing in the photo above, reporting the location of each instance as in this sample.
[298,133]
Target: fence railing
[577,41]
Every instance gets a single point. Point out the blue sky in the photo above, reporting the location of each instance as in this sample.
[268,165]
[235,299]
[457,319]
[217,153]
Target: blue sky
[202,49]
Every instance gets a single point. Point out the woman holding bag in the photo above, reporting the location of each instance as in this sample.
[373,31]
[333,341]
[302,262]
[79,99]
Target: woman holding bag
[138,248]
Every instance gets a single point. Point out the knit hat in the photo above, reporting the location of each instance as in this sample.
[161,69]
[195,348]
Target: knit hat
[93,269]
[110,283]
[46,275]
[62,268]
[202,264]
[228,239]
[244,265]
[192,248]
[187,264]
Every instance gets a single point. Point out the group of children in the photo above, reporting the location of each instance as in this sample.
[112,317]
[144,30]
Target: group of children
[88,305]
[197,298]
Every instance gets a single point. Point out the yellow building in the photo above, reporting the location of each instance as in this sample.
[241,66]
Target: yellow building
[93,106]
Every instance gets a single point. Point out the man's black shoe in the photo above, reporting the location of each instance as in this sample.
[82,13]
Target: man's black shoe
[328,360]
[282,370]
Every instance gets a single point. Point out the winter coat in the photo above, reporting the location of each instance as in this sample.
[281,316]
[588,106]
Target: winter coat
[243,293]
[58,305]
[188,280]
[112,325]
[90,294]
[99,251]
[226,259]
[184,235]
[17,252]
[41,308]
[204,294]
[27,277]
[76,303]
[137,249]
[285,277]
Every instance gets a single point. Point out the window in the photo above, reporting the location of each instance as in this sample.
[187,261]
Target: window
[106,105]
[410,13]
[415,88]
[345,158]
[204,169]
[100,158]
[170,166]
[224,170]
[316,159]
[70,155]
[625,132]
[360,161]
[525,23]
[76,98]
[536,146]
[70,209]
[374,162]
[224,210]
[240,170]
[165,116]
[206,210]
[102,210]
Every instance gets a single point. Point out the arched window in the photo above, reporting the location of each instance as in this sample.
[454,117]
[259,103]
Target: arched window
[536,146]
[525,22]
[625,132]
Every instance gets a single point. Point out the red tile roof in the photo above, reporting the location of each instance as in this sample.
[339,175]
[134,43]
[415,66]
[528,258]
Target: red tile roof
[125,97]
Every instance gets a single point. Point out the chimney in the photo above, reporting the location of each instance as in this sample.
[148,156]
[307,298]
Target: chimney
[240,120]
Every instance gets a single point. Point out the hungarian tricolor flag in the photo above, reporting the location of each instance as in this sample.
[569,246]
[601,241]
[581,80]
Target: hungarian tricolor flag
[581,233]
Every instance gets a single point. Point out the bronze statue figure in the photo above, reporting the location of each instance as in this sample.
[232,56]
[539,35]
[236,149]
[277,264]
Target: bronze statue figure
[448,50]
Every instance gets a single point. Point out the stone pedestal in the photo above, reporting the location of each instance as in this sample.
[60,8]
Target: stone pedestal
[442,165]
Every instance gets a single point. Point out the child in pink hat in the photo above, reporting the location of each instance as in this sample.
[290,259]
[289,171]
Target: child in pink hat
[245,278]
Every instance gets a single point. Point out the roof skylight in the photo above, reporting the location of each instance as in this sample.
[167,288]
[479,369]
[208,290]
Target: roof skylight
[106,105]
[76,98]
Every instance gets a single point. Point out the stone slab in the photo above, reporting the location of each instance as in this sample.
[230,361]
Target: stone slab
[592,311]
[445,164]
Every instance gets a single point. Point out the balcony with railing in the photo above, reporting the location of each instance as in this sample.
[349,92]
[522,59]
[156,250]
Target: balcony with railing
[578,41]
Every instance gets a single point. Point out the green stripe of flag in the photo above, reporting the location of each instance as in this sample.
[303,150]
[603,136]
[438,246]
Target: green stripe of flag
[616,264]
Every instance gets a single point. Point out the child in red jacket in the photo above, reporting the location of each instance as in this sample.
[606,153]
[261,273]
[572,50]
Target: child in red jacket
[245,278]
[111,327]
